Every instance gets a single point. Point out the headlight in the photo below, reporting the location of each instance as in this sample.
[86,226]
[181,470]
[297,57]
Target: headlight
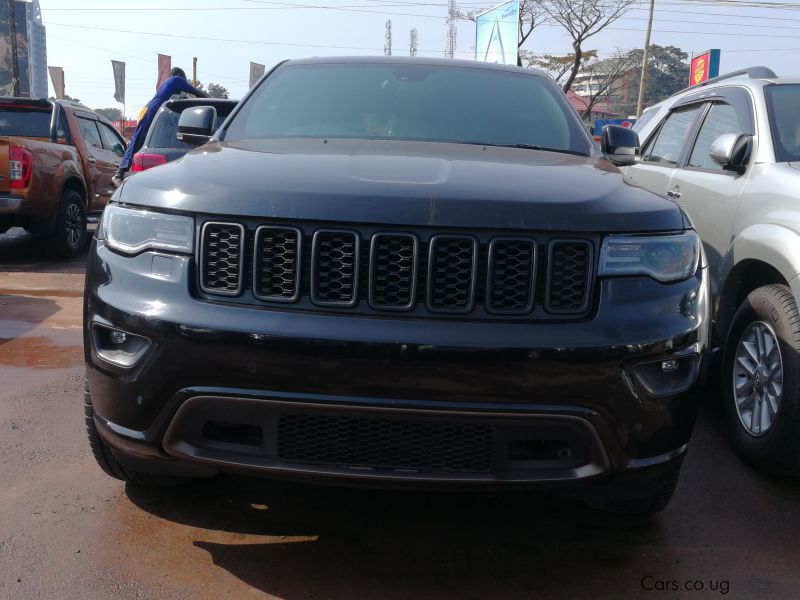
[662,257]
[133,231]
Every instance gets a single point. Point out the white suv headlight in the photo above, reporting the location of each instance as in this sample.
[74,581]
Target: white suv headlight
[663,257]
[132,231]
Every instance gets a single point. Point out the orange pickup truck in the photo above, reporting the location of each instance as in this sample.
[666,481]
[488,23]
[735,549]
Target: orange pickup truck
[57,159]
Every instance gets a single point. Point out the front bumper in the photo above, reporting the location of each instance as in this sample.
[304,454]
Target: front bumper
[221,387]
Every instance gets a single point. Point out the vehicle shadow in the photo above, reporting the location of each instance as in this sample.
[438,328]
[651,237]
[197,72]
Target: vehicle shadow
[339,542]
[21,251]
[301,541]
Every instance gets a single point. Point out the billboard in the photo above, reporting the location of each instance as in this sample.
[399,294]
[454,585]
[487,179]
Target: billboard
[704,66]
[497,34]
[13,49]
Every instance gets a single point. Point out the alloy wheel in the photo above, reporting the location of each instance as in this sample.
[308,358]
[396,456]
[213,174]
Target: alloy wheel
[758,378]
[74,225]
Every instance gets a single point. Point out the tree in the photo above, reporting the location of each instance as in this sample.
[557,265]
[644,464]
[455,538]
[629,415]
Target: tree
[557,66]
[583,19]
[66,97]
[216,90]
[112,114]
[667,73]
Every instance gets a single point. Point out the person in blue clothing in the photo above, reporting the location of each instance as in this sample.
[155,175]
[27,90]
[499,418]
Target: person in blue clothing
[176,84]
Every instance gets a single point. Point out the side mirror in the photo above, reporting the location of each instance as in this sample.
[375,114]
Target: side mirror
[196,125]
[732,151]
[620,145]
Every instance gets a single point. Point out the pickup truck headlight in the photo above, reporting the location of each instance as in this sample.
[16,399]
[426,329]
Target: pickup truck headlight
[131,231]
[665,258]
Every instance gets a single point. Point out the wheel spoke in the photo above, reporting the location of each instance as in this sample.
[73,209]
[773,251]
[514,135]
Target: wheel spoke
[747,364]
[755,421]
[752,350]
[745,402]
[744,385]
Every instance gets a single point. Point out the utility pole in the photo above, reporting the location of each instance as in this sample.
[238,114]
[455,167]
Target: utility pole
[387,45]
[643,78]
[194,71]
[452,37]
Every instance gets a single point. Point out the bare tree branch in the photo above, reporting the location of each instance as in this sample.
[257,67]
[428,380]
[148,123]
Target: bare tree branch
[605,78]
[583,19]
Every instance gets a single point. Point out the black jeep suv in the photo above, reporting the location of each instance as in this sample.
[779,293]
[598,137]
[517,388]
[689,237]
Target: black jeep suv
[407,271]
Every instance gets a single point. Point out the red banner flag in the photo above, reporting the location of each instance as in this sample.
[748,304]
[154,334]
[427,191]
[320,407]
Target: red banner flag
[164,67]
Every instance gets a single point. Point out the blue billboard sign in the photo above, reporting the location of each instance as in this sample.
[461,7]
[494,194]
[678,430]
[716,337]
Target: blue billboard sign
[497,34]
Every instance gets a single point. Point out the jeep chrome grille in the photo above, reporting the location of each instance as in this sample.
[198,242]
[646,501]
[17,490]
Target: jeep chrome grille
[221,258]
[277,256]
[422,273]
[393,271]
[568,276]
[334,268]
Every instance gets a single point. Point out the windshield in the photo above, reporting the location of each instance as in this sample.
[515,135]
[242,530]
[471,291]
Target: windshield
[783,102]
[165,128]
[25,123]
[410,102]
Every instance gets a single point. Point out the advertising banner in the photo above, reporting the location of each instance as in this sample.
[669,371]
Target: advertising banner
[497,34]
[704,67]
[119,80]
[21,32]
[57,77]
[256,72]
[164,66]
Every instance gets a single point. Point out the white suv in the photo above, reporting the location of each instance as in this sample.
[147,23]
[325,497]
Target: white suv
[728,151]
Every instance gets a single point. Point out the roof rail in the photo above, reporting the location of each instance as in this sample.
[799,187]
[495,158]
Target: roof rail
[751,72]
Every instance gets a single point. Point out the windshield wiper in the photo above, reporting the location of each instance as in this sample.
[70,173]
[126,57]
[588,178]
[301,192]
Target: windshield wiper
[534,147]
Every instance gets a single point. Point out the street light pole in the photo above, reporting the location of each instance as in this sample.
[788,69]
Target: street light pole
[643,78]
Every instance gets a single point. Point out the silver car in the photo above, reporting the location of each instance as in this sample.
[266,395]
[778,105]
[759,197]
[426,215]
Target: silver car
[728,152]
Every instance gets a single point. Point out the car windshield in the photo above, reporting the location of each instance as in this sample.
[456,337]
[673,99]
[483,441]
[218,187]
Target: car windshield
[25,123]
[410,102]
[783,101]
[165,128]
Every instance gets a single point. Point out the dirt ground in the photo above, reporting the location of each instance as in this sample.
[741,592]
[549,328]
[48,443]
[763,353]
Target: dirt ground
[69,531]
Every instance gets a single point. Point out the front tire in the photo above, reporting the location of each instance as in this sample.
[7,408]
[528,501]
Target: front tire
[761,381]
[69,236]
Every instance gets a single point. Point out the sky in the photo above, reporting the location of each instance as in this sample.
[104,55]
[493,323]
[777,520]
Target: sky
[83,36]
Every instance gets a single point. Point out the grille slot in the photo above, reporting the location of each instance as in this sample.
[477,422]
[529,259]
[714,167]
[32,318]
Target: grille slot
[452,274]
[389,444]
[510,281]
[276,277]
[221,258]
[569,274]
[334,268]
[393,271]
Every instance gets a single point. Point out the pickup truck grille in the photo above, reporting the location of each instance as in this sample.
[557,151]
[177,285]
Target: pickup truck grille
[420,273]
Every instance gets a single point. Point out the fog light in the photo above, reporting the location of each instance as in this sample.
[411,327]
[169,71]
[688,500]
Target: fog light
[118,347]
[669,366]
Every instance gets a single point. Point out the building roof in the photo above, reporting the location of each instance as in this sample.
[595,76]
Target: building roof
[578,103]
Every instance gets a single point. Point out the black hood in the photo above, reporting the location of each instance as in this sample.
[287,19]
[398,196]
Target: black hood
[403,183]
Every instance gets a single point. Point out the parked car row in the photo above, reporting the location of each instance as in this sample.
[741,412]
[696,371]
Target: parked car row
[58,159]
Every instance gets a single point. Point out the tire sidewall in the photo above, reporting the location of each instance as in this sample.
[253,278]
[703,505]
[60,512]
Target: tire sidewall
[63,246]
[762,451]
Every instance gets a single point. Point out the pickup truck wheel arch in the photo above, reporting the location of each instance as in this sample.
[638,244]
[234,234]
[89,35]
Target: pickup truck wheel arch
[75,184]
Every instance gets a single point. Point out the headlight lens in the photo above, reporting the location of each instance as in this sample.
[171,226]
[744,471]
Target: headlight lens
[663,257]
[132,231]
